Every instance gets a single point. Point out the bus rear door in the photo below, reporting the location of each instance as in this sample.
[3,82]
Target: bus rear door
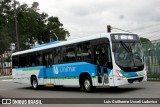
[49,70]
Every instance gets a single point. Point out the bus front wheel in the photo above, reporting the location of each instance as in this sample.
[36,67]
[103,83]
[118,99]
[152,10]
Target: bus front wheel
[87,84]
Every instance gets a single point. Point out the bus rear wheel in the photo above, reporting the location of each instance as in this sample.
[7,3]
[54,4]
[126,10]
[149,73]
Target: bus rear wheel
[87,84]
[34,83]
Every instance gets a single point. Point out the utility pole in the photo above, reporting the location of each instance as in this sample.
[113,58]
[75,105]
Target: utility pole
[16,29]
[56,36]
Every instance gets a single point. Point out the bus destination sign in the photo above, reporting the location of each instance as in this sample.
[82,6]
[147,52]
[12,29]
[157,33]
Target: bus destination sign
[124,37]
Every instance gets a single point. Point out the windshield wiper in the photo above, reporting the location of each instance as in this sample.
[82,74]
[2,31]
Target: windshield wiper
[128,49]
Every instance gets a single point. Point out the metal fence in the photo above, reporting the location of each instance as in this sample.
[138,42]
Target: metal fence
[5,71]
[152,59]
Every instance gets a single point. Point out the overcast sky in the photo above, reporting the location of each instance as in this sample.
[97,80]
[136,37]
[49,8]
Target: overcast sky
[87,17]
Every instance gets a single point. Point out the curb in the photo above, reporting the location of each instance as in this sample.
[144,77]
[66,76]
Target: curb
[5,77]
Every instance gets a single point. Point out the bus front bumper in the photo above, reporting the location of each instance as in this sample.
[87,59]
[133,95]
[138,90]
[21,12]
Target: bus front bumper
[124,81]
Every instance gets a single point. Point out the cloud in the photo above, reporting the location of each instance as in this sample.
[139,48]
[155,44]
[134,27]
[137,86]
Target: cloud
[86,17]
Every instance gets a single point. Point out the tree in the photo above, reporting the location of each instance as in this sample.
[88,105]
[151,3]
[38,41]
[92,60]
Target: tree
[145,40]
[55,28]
[32,25]
[4,41]
[5,13]
[4,44]
[35,6]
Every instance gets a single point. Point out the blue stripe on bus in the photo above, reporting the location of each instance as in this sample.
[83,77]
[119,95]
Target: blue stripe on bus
[65,70]
[109,71]
[68,70]
[47,44]
[129,74]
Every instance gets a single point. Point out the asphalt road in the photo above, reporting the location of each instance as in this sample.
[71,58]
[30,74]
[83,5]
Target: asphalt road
[8,89]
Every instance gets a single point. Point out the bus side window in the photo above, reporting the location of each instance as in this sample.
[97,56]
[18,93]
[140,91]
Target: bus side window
[86,51]
[45,59]
[79,51]
[15,62]
[26,60]
[50,58]
[70,54]
[56,55]
[64,57]
[32,59]
[109,57]
[39,59]
[23,60]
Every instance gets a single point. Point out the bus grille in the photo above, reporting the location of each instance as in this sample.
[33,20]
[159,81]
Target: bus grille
[135,79]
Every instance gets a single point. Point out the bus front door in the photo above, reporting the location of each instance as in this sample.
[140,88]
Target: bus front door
[101,62]
[102,75]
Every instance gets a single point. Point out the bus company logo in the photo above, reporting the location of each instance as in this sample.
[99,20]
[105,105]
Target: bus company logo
[55,70]
[6,101]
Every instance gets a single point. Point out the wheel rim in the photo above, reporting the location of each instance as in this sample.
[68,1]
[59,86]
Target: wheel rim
[87,84]
[34,83]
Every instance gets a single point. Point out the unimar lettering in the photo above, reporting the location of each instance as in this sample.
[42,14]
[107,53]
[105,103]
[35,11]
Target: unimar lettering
[64,69]
[55,69]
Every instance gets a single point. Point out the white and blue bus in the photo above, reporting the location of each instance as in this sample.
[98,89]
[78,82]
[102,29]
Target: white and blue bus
[109,59]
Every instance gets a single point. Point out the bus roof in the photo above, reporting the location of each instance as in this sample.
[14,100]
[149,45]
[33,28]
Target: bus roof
[63,43]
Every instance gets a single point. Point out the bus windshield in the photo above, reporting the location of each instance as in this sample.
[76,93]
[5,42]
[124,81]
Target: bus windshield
[128,55]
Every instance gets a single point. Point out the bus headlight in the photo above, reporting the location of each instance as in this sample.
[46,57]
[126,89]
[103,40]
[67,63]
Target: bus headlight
[145,72]
[120,74]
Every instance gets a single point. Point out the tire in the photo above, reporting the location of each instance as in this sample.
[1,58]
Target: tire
[34,83]
[87,84]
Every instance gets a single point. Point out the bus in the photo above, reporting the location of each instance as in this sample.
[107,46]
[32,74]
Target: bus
[107,59]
